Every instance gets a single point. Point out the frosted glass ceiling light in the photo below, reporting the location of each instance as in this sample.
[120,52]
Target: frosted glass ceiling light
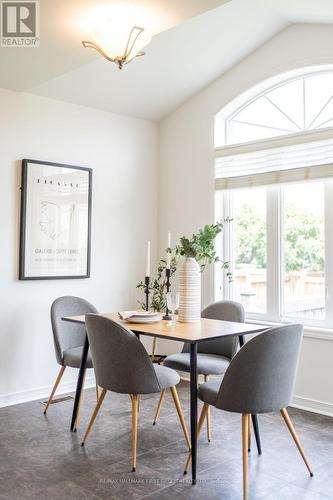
[119,42]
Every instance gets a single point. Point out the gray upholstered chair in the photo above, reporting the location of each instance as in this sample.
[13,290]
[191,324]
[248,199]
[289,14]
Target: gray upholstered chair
[214,356]
[122,365]
[68,337]
[260,379]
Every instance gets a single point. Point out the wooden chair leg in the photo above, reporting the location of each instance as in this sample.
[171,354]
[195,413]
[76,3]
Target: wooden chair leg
[209,427]
[79,406]
[56,383]
[292,431]
[249,433]
[180,415]
[202,418]
[94,415]
[153,349]
[135,413]
[97,392]
[245,443]
[159,406]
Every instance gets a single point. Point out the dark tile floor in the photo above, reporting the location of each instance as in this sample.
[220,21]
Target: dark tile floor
[41,459]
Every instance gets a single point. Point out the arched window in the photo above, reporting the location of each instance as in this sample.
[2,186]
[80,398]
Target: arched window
[294,106]
[274,179]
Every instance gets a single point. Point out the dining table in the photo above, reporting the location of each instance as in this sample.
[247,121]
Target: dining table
[190,333]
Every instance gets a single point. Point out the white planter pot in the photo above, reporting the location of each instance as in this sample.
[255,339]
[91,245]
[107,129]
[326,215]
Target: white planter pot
[189,291]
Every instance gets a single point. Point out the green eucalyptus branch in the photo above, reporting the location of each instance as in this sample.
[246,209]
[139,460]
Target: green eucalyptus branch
[201,246]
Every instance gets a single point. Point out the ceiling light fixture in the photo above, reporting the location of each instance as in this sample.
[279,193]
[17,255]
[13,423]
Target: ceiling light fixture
[119,42]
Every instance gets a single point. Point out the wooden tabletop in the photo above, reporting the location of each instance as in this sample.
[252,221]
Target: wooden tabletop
[204,329]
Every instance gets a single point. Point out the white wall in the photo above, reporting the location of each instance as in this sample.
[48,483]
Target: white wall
[123,154]
[186,164]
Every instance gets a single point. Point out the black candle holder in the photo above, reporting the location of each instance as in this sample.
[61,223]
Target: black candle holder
[147,292]
[168,285]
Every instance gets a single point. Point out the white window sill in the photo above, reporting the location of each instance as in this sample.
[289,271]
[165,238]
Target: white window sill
[315,332]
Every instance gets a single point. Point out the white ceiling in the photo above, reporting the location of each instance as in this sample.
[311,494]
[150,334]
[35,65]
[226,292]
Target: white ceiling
[303,11]
[65,23]
[190,48]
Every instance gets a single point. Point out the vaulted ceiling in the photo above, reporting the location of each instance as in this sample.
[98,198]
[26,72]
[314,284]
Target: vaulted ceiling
[194,42]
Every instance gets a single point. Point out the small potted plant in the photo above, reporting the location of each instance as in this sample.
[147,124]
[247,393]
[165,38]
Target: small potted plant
[197,252]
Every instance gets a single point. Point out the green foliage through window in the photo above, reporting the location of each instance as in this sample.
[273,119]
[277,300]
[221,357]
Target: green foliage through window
[304,241]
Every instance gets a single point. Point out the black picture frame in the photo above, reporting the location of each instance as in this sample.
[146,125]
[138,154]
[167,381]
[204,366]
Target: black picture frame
[24,223]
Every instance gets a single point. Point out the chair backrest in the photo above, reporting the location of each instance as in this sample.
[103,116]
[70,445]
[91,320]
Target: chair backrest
[225,310]
[261,376]
[65,334]
[120,361]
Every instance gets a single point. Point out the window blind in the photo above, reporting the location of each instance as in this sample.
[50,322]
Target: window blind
[295,163]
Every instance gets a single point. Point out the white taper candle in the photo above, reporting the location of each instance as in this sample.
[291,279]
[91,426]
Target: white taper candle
[148,259]
[168,259]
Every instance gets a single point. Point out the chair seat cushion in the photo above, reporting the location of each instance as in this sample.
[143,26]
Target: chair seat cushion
[208,364]
[72,358]
[208,391]
[166,376]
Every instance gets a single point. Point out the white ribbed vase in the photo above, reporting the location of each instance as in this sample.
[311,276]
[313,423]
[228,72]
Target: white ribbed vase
[189,291]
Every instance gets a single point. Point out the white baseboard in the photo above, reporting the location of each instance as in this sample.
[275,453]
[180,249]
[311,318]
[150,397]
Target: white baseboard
[15,398]
[322,407]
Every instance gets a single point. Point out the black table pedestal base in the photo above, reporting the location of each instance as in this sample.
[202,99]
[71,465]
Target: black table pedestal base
[194,407]
[79,384]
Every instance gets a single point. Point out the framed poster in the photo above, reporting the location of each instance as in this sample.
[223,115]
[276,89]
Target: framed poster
[55,232]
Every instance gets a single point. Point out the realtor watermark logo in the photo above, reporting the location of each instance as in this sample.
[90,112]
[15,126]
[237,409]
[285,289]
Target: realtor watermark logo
[19,23]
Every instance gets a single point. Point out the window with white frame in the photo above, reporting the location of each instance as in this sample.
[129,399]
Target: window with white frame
[278,191]
[293,106]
